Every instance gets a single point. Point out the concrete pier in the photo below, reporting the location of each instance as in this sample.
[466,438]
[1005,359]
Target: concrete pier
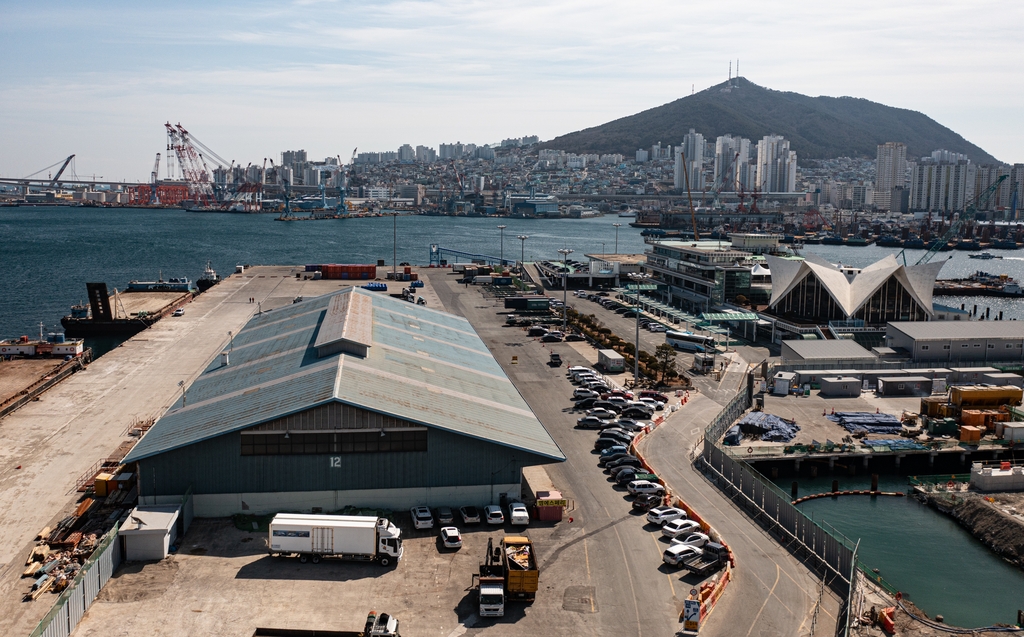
[47,445]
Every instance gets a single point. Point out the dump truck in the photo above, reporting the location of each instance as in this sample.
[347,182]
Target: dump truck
[712,558]
[350,537]
[509,572]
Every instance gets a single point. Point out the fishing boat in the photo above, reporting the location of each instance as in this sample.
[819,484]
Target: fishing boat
[209,278]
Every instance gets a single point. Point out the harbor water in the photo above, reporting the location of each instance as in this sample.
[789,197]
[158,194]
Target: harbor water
[928,556]
[53,252]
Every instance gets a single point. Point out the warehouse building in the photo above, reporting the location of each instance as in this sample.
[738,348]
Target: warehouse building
[353,398]
[950,342]
[835,352]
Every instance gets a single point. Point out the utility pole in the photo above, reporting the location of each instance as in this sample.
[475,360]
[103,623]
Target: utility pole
[394,245]
[617,226]
[565,252]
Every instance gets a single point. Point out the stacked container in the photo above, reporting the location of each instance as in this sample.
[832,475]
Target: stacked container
[348,271]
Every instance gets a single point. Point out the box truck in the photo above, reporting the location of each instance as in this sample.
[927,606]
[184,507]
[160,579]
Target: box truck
[351,537]
[611,361]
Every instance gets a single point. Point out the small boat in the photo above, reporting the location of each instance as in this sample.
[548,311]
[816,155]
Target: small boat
[857,242]
[209,279]
[984,255]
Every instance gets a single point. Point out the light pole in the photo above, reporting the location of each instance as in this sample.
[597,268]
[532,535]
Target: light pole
[638,284]
[502,253]
[617,226]
[602,249]
[522,253]
[394,245]
[565,252]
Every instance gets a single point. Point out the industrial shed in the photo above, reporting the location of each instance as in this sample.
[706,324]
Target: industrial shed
[905,386]
[840,386]
[839,352]
[353,398]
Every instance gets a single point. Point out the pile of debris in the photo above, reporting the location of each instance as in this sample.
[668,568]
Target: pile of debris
[518,556]
[863,422]
[55,564]
[769,427]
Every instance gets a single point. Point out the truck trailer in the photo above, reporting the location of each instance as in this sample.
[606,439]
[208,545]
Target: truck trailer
[350,537]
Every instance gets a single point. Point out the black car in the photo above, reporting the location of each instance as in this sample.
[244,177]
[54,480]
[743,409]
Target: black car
[604,443]
[537,330]
[586,403]
[630,314]
[622,309]
[574,337]
[607,404]
[626,475]
[551,338]
[604,460]
[639,413]
[470,514]
[646,502]
[623,462]
[622,437]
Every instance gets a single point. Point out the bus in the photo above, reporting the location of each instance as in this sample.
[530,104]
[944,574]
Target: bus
[690,342]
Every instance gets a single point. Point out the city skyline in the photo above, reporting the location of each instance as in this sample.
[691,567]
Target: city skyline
[250,80]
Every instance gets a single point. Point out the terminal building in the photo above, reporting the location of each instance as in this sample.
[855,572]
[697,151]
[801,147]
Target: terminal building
[970,342]
[811,296]
[354,398]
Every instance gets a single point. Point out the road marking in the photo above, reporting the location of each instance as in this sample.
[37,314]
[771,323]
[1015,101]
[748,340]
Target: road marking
[671,585]
[771,593]
[629,574]
[586,556]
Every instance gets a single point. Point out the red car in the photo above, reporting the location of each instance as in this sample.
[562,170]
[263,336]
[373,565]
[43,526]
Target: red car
[618,392]
[658,396]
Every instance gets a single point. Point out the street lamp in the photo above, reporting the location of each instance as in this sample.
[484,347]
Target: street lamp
[638,282]
[394,245]
[565,252]
[502,254]
[617,226]
[522,254]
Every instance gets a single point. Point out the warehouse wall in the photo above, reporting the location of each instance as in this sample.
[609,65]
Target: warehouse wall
[216,466]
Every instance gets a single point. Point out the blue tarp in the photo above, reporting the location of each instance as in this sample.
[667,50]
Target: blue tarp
[900,444]
[863,421]
[771,428]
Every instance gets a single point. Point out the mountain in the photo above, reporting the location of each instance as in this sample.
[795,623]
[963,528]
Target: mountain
[816,127]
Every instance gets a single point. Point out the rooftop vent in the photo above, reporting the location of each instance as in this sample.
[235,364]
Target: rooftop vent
[347,326]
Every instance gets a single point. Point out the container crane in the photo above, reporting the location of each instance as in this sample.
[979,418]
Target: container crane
[154,198]
[343,186]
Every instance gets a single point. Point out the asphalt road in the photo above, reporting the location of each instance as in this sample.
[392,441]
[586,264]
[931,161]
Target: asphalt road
[606,552]
[772,593]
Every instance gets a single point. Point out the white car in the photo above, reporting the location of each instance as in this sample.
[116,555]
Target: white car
[683,527]
[582,392]
[578,369]
[637,487]
[179,312]
[676,554]
[493,514]
[653,404]
[422,518]
[696,540]
[451,538]
[663,515]
[518,514]
[657,327]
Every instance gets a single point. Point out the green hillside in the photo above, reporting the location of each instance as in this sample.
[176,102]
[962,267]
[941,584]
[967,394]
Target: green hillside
[817,127]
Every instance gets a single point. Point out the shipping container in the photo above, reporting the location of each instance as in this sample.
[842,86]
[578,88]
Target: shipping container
[904,386]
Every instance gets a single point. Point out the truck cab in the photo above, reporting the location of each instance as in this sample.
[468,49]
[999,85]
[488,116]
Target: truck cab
[491,591]
[555,360]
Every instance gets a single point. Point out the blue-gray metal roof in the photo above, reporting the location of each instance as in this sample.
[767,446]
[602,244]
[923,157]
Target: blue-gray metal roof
[423,365]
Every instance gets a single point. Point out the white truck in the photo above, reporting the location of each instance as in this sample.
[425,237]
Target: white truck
[351,537]
[611,361]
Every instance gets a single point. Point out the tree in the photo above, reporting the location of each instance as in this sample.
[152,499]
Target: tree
[665,365]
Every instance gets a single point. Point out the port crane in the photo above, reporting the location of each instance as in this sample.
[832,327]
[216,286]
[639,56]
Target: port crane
[154,198]
[954,228]
[343,186]
[689,195]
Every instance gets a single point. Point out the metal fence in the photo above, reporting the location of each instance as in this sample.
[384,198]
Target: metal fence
[767,503]
[71,605]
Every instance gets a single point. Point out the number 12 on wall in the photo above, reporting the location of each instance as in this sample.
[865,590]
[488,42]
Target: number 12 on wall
[335,462]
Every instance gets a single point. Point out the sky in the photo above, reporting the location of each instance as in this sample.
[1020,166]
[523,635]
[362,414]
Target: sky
[251,79]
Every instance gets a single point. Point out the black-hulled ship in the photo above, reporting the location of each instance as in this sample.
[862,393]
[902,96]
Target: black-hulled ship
[126,313]
[209,278]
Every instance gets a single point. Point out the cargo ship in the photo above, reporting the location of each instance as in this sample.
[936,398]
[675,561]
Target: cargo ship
[126,313]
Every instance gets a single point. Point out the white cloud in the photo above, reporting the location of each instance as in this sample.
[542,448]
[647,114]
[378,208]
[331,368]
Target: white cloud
[253,79]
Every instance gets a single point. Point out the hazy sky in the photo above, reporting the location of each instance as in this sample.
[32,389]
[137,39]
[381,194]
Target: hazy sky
[251,79]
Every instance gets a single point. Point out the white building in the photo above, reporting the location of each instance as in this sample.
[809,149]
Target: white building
[425,154]
[690,152]
[406,153]
[641,155]
[732,163]
[890,172]
[942,187]
[776,165]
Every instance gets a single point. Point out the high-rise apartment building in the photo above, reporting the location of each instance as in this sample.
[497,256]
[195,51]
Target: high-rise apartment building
[689,156]
[942,187]
[425,154]
[890,172]
[732,163]
[291,157]
[642,155]
[776,165]
[406,153]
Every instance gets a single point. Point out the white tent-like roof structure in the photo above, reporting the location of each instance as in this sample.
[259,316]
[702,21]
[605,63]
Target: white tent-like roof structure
[851,295]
